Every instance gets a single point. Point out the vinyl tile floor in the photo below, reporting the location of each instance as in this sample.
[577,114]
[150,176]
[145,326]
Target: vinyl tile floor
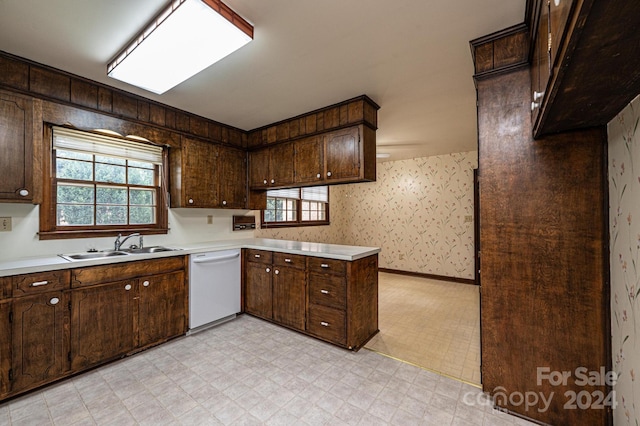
[251,372]
[433,324]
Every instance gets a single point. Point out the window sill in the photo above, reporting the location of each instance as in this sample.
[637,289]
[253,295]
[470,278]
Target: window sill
[272,225]
[95,233]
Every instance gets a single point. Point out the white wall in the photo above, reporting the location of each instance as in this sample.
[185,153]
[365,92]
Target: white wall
[186,226]
[624,218]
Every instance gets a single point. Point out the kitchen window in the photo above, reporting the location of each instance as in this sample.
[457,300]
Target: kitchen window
[296,207]
[101,185]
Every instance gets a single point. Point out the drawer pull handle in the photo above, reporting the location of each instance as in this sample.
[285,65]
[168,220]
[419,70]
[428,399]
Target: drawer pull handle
[324,265]
[324,324]
[288,260]
[324,291]
[257,256]
[146,283]
[38,283]
[54,300]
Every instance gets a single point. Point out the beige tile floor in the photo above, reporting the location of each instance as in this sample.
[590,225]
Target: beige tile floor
[433,324]
[251,372]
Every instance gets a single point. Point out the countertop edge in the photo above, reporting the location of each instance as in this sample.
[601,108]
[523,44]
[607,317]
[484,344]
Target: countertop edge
[329,251]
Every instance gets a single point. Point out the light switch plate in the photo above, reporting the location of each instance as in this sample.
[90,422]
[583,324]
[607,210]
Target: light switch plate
[5,224]
[468,218]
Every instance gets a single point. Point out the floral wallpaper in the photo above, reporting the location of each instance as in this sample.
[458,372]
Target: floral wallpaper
[415,211]
[624,216]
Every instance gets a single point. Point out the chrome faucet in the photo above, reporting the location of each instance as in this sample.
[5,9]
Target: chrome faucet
[119,243]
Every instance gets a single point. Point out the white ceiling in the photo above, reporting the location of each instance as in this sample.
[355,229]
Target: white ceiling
[412,57]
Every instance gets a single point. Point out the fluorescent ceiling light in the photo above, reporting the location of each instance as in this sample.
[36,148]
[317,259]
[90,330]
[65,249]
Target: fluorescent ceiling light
[184,39]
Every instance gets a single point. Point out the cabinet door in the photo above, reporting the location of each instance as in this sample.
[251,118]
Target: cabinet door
[199,174]
[39,339]
[342,154]
[16,148]
[5,347]
[289,296]
[558,18]
[309,160]
[281,165]
[257,294]
[259,168]
[161,308]
[102,323]
[232,175]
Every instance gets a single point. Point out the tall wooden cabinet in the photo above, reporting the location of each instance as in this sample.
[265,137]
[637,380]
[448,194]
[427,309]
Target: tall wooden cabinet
[289,290]
[16,148]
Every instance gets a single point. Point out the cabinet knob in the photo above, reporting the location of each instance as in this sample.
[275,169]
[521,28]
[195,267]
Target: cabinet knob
[324,323]
[288,260]
[556,2]
[264,181]
[324,265]
[537,95]
[318,175]
[534,105]
[54,301]
[257,256]
[224,203]
[127,287]
[324,291]
[146,283]
[23,192]
[190,200]
[273,181]
[38,283]
[268,269]
[276,272]
[329,174]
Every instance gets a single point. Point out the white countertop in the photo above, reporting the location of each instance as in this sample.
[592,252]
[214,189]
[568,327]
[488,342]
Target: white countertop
[330,251]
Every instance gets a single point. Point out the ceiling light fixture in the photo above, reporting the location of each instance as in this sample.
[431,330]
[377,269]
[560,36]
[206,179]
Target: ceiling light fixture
[185,38]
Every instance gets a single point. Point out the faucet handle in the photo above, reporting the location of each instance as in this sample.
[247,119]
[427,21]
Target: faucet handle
[140,243]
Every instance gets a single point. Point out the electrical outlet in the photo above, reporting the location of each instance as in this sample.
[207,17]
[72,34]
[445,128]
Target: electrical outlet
[468,218]
[209,219]
[5,224]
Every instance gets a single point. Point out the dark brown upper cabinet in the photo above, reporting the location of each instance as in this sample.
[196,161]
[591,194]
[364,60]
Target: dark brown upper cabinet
[309,160]
[16,148]
[207,175]
[272,167]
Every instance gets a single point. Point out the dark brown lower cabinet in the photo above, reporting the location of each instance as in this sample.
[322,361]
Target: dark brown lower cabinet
[5,346]
[161,308]
[289,296]
[332,300]
[258,297]
[39,333]
[102,323]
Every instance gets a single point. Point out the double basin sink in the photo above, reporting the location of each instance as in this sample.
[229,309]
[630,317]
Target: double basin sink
[111,253]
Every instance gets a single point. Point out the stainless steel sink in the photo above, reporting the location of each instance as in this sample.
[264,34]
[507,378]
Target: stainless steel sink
[93,255]
[154,249]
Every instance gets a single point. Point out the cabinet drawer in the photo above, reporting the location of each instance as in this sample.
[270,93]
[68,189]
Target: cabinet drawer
[290,260]
[327,266]
[327,290]
[124,271]
[40,282]
[327,323]
[260,256]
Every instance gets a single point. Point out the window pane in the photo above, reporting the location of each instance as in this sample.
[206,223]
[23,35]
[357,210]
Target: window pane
[71,169]
[322,215]
[107,195]
[142,197]
[314,215]
[73,215]
[111,160]
[74,155]
[305,215]
[75,194]
[279,204]
[271,203]
[279,216]
[269,216]
[141,164]
[141,176]
[111,215]
[142,215]
[110,173]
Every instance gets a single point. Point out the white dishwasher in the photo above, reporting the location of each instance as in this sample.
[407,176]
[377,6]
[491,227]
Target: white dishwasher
[214,288]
